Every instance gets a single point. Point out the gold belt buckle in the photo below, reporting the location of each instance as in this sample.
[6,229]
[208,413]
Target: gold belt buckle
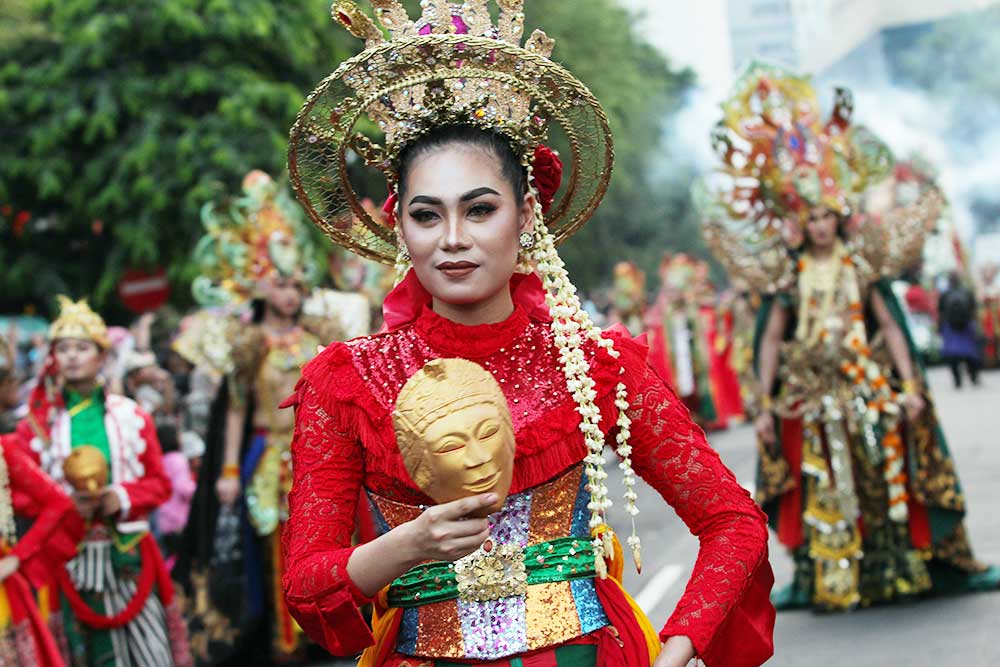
[492,572]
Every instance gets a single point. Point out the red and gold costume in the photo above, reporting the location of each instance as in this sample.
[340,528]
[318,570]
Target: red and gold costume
[344,443]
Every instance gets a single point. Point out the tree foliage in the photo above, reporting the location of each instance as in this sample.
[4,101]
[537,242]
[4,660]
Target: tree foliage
[119,119]
[643,214]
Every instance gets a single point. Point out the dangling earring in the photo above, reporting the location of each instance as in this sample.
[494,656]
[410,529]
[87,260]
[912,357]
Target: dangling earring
[526,240]
[404,253]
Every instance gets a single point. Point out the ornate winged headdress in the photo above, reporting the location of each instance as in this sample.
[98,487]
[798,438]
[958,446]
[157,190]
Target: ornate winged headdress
[779,160]
[249,238]
[453,65]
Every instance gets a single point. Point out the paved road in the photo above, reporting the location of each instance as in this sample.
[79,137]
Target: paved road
[952,632]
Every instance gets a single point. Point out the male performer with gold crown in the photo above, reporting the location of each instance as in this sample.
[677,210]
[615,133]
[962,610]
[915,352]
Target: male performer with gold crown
[114,602]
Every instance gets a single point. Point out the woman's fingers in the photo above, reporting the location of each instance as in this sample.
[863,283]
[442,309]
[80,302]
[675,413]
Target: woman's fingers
[457,509]
[460,547]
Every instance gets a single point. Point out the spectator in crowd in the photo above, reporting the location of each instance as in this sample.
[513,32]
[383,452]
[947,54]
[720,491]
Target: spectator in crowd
[957,309]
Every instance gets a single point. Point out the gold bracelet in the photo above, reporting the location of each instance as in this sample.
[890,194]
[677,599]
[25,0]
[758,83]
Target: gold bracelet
[766,404]
[911,387]
[230,471]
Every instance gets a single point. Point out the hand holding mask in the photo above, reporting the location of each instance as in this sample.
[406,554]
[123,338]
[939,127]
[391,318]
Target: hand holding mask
[454,430]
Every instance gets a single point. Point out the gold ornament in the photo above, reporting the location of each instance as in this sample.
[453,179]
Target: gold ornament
[86,469]
[454,430]
[450,66]
[77,320]
[492,572]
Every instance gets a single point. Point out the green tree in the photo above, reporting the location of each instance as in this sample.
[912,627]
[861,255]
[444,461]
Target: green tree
[644,214]
[119,119]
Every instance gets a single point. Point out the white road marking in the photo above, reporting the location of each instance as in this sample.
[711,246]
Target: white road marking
[658,586]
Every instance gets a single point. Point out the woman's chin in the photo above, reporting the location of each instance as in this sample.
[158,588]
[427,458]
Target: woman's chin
[459,295]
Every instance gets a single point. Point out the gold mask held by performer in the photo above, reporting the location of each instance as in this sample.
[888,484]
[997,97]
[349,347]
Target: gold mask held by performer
[454,430]
[86,469]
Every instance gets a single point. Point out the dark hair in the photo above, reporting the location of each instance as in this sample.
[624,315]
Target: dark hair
[168,437]
[510,166]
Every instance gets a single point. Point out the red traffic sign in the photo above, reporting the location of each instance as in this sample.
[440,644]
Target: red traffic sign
[144,291]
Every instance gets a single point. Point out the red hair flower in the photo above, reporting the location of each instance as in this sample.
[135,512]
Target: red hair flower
[389,209]
[546,171]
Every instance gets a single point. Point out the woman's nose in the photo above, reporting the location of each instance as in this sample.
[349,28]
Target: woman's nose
[454,234]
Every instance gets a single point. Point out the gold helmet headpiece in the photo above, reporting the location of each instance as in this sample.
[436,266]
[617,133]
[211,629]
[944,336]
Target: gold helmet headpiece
[77,320]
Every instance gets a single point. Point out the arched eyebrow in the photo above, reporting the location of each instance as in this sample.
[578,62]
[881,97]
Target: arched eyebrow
[468,196]
[478,192]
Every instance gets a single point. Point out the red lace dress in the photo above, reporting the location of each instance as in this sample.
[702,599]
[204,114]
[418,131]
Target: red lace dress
[344,442]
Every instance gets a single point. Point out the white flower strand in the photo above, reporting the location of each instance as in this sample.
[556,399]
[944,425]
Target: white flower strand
[571,327]
[8,530]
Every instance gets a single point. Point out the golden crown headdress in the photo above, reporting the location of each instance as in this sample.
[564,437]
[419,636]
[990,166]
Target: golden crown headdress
[450,66]
[77,320]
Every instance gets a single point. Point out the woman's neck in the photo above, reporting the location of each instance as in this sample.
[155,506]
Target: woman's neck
[491,310]
[822,253]
[276,322]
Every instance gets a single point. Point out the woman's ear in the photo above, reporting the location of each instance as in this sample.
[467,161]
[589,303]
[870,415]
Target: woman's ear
[528,213]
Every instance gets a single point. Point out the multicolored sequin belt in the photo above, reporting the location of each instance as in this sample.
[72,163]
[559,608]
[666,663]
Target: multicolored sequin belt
[508,604]
[494,572]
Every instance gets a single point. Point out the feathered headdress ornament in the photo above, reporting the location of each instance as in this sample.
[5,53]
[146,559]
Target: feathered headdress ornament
[248,239]
[780,159]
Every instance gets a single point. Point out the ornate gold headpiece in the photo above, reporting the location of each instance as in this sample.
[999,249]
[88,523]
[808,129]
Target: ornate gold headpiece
[451,66]
[77,320]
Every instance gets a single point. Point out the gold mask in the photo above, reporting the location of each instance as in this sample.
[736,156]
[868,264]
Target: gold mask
[455,433]
[86,469]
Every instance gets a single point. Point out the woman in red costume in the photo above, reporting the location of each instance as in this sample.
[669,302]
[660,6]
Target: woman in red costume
[27,491]
[537,582]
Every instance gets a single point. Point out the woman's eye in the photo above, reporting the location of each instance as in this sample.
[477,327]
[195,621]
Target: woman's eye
[423,215]
[481,210]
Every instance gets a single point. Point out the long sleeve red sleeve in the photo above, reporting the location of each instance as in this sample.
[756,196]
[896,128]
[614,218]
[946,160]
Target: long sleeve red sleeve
[328,468]
[56,528]
[153,488]
[725,609]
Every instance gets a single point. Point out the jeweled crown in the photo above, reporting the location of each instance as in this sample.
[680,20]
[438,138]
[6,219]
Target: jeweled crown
[493,102]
